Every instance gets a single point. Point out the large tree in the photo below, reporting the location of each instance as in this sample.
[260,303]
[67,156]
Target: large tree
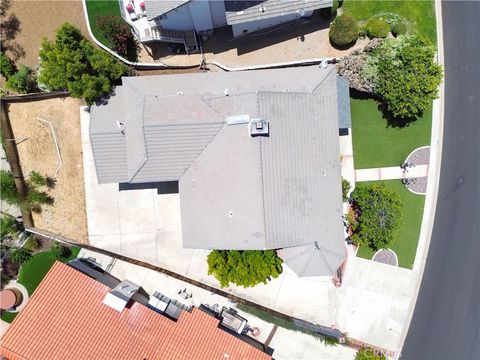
[378,212]
[407,76]
[244,268]
[72,63]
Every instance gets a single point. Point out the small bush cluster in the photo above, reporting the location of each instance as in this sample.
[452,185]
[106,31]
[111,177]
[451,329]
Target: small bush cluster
[345,189]
[7,67]
[57,251]
[23,81]
[20,255]
[378,213]
[72,63]
[377,28]
[399,28]
[343,30]
[244,268]
[35,197]
[119,35]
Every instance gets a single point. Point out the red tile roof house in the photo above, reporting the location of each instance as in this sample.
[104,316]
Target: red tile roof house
[66,318]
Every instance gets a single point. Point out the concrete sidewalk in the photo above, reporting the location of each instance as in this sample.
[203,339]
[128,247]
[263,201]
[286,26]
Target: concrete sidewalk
[390,173]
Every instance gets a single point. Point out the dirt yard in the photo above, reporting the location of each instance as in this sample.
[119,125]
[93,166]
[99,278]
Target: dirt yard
[39,19]
[36,147]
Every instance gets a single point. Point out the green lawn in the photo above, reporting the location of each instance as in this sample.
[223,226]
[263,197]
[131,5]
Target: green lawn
[100,7]
[420,14]
[33,271]
[376,144]
[406,240]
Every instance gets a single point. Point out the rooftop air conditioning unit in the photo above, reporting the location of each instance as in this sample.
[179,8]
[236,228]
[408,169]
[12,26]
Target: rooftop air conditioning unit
[121,294]
[259,127]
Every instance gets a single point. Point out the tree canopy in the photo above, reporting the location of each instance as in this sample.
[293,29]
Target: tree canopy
[244,268]
[72,63]
[406,77]
[378,212]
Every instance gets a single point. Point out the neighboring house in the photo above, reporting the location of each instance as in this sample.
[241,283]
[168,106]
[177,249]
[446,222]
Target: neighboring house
[73,316]
[179,21]
[255,155]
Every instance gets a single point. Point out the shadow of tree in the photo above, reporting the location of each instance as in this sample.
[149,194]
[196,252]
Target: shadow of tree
[392,121]
[9,28]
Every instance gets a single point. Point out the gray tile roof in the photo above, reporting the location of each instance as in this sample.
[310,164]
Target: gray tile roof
[343,96]
[245,11]
[156,8]
[236,191]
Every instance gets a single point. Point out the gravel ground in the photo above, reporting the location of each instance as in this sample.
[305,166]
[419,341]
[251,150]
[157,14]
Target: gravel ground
[386,257]
[419,185]
[420,156]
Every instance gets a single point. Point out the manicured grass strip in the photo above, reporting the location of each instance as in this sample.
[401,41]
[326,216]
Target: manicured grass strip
[94,8]
[8,317]
[376,144]
[419,14]
[406,240]
[33,271]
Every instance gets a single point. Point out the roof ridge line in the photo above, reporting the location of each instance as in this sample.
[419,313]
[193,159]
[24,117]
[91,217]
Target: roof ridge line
[140,167]
[201,152]
[263,192]
[322,81]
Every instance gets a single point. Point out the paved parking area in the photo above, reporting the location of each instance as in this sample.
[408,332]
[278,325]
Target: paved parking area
[144,225]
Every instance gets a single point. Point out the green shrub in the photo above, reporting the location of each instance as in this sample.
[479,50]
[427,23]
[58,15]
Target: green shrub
[58,252]
[37,179]
[72,63]
[343,30]
[37,197]
[119,35]
[377,28]
[345,189]
[7,67]
[9,226]
[408,77]
[379,212]
[399,28]
[20,255]
[244,268]
[23,81]
[8,188]
[32,244]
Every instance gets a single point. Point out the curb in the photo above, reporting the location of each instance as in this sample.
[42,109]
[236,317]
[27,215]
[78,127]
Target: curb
[434,177]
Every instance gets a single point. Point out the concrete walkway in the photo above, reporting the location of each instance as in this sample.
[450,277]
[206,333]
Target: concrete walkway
[390,173]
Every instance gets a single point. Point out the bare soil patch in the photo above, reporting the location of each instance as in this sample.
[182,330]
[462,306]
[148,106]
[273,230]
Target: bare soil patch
[36,148]
[39,19]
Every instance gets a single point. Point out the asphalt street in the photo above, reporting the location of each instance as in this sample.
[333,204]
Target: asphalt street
[446,321]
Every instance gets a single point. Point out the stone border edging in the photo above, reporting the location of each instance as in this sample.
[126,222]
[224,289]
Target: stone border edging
[390,250]
[273,65]
[434,176]
[419,148]
[409,155]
